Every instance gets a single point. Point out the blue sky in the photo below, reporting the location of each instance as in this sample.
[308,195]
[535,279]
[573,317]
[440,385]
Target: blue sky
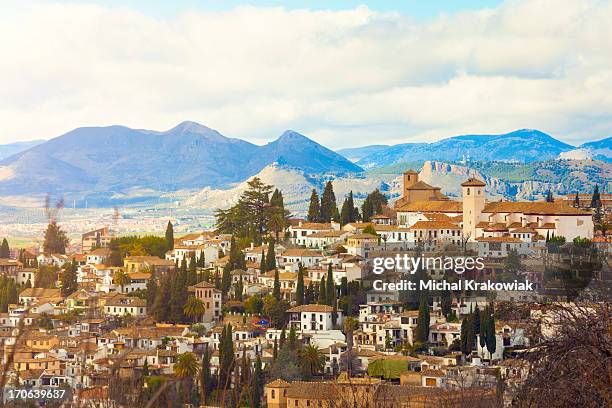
[418,9]
[360,73]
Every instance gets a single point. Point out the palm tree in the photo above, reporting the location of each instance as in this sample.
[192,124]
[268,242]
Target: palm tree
[312,360]
[185,368]
[121,278]
[194,308]
[277,223]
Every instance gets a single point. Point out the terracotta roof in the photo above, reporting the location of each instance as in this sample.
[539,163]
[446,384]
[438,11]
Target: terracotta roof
[533,207]
[421,185]
[278,383]
[524,230]
[313,226]
[312,390]
[41,293]
[325,234]
[311,308]
[300,252]
[437,217]
[363,236]
[473,182]
[433,225]
[498,239]
[446,206]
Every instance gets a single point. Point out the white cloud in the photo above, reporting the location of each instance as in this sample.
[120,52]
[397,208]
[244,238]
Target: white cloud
[345,78]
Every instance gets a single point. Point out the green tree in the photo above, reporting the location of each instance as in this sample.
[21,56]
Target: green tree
[311,360]
[69,278]
[145,368]
[271,255]
[549,196]
[322,296]
[55,239]
[314,208]
[254,305]
[46,277]
[483,327]
[194,308]
[491,337]
[161,307]
[329,210]
[5,251]
[257,384]
[185,368]
[422,331]
[300,294]
[373,204]
[263,265]
[121,278]
[577,200]
[595,198]
[369,229]
[349,212]
[330,290]
[446,302]
[276,290]
[226,357]
[169,236]
[151,291]
[205,379]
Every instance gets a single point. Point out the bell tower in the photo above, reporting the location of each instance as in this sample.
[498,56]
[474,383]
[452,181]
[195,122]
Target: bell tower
[411,177]
[473,205]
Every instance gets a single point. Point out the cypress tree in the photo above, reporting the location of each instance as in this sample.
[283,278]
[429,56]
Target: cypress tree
[283,338]
[349,212]
[330,290]
[275,350]
[69,278]
[161,307]
[257,384]
[484,328]
[422,332]
[205,376]
[226,357]
[577,200]
[263,266]
[549,197]
[293,340]
[300,296]
[477,320]
[5,251]
[145,368]
[169,236]
[490,338]
[151,291]
[328,203]
[596,199]
[226,280]
[276,291]
[271,256]
[314,208]
[322,297]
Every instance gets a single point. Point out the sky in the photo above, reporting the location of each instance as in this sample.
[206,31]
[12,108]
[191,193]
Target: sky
[354,74]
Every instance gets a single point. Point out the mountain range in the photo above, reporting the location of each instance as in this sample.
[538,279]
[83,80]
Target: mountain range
[117,162]
[188,156]
[525,145]
[10,149]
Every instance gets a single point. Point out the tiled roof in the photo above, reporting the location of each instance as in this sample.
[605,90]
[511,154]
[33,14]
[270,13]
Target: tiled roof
[446,206]
[421,185]
[473,182]
[311,308]
[433,225]
[532,207]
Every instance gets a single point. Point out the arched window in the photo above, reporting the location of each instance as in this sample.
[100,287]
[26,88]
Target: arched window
[468,191]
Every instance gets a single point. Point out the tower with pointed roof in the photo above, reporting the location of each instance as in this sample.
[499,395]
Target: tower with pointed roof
[473,205]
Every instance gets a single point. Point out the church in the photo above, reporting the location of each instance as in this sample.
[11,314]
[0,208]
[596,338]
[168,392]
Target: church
[478,218]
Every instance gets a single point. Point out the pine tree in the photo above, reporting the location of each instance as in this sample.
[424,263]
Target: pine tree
[314,208]
[328,203]
[299,291]
[322,297]
[276,291]
[596,199]
[277,199]
[55,239]
[271,256]
[169,236]
[330,290]
[4,249]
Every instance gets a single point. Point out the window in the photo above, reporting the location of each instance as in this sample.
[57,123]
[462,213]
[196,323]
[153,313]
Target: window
[273,394]
[468,191]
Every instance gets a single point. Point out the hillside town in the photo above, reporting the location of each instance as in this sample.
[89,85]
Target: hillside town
[272,310]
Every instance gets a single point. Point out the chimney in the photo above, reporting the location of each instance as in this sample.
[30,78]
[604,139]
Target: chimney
[523,221]
[299,223]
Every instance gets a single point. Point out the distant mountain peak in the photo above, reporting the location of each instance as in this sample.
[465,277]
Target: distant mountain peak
[292,136]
